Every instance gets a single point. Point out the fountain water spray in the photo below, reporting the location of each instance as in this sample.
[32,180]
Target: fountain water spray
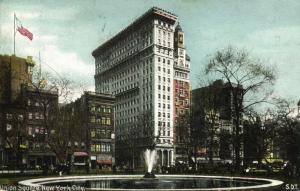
[150,159]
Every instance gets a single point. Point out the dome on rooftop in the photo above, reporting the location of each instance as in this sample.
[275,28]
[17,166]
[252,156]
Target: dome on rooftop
[178,27]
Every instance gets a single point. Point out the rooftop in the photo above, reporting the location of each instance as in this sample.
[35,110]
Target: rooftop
[154,11]
[99,94]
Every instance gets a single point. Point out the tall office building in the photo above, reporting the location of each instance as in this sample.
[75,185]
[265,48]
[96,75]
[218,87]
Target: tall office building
[138,66]
[182,96]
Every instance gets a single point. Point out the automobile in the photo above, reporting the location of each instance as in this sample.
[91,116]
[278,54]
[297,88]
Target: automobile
[3,167]
[278,166]
[258,167]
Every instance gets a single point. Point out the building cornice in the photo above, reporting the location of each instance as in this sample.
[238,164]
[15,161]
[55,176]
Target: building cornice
[154,11]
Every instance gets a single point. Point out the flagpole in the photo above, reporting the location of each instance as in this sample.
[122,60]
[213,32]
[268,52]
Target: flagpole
[14,33]
[40,69]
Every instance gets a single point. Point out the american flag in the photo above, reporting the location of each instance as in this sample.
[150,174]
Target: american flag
[23,31]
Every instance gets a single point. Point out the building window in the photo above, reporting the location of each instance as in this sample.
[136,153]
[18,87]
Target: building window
[98,149]
[93,133]
[98,120]
[186,102]
[9,116]
[8,127]
[108,121]
[20,117]
[103,149]
[93,148]
[108,147]
[29,130]
[93,119]
[103,120]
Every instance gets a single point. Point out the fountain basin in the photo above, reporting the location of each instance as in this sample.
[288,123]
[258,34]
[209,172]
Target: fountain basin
[149,175]
[163,182]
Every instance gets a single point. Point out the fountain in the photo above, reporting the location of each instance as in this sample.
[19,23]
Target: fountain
[163,182]
[150,159]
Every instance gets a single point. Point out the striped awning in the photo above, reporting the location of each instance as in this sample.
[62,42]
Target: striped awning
[80,154]
[109,162]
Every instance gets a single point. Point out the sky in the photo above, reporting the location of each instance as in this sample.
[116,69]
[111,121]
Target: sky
[66,32]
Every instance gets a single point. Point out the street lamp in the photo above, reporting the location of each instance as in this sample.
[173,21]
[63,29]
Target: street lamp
[298,107]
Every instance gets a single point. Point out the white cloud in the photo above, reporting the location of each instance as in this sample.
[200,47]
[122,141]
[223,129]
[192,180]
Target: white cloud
[46,38]
[54,59]
[26,15]
[66,62]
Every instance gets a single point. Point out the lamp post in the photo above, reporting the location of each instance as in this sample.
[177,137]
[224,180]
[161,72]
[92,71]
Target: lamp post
[298,107]
[263,128]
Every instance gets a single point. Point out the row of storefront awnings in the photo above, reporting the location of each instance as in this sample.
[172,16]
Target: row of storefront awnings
[99,161]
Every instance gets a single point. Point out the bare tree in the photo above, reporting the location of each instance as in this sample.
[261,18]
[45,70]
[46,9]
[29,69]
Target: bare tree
[182,140]
[46,90]
[288,130]
[14,137]
[137,137]
[260,132]
[247,79]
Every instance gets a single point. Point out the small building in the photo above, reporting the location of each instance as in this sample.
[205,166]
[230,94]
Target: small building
[95,143]
[22,131]
[212,111]
[38,104]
